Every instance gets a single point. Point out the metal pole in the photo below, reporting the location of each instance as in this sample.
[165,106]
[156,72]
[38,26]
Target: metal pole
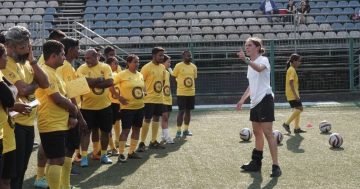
[351,63]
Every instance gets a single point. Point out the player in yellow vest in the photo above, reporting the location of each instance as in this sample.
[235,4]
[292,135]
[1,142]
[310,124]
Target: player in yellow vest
[115,105]
[292,93]
[167,100]
[56,115]
[131,85]
[154,76]
[23,72]
[185,73]
[96,105]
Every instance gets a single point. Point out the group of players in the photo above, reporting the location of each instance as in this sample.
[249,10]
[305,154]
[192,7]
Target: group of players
[137,99]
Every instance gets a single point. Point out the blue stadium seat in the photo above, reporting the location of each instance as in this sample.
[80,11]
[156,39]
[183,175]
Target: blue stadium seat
[337,26]
[48,17]
[50,10]
[342,4]
[246,6]
[157,15]
[180,8]
[145,1]
[113,3]
[158,8]
[100,24]
[320,4]
[178,2]
[331,18]
[146,8]
[343,18]
[102,2]
[102,10]
[90,10]
[315,11]
[135,8]
[190,7]
[124,2]
[337,10]
[111,16]
[111,32]
[48,25]
[89,16]
[325,10]
[234,7]
[354,4]
[169,8]
[91,3]
[100,16]
[135,24]
[332,4]
[99,31]
[123,16]
[320,19]
[135,16]
[122,32]
[213,7]
[201,7]
[349,26]
[224,7]
[124,24]
[113,9]
[135,2]
[135,31]
[254,6]
[146,15]
[348,10]
[189,1]
[167,2]
[124,8]
[156,1]
[147,23]
[357,26]
[111,24]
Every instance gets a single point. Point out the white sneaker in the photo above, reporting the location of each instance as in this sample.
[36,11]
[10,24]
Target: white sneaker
[169,140]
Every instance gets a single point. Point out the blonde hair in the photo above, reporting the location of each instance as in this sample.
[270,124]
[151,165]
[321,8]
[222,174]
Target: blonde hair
[257,42]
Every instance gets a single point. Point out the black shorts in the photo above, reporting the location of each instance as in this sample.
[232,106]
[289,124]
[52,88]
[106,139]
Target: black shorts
[167,108]
[115,112]
[54,144]
[9,165]
[72,138]
[264,111]
[101,119]
[295,103]
[186,102]
[152,110]
[131,118]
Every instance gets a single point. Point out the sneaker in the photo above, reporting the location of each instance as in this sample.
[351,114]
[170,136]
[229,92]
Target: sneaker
[178,134]
[41,183]
[169,140]
[127,145]
[105,160]
[95,156]
[77,158]
[113,152]
[299,130]
[276,171]
[74,170]
[84,162]
[141,147]
[156,145]
[287,128]
[121,158]
[252,166]
[187,133]
[134,155]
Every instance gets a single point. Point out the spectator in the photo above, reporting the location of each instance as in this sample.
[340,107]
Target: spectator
[356,15]
[268,7]
[291,10]
[303,10]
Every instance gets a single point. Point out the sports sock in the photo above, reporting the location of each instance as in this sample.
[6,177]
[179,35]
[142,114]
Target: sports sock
[154,131]
[53,176]
[84,154]
[297,122]
[186,127]
[122,147]
[65,173]
[144,131]
[133,144]
[96,147]
[178,128]
[40,172]
[294,114]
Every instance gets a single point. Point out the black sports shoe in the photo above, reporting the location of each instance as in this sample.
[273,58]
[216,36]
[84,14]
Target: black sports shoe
[276,171]
[156,145]
[134,155]
[287,128]
[141,147]
[299,131]
[252,166]
[121,158]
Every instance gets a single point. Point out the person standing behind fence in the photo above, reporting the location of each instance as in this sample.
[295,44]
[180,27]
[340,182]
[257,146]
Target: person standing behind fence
[291,10]
[292,93]
[167,100]
[185,73]
[303,10]
[268,7]
[262,105]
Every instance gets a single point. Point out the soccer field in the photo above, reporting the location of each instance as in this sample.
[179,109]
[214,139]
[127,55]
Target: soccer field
[212,157]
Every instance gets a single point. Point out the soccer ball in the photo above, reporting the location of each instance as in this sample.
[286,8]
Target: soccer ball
[278,136]
[335,140]
[324,126]
[245,134]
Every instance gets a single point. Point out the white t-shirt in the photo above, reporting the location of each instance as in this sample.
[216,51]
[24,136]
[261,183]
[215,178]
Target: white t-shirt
[268,6]
[259,82]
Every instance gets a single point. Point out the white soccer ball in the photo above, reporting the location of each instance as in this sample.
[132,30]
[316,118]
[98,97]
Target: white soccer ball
[324,126]
[245,134]
[335,140]
[278,136]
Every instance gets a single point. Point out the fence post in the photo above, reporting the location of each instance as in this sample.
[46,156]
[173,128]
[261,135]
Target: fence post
[351,63]
[272,64]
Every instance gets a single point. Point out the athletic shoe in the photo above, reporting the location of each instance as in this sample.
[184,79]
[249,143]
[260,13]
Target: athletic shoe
[252,166]
[84,162]
[178,134]
[35,145]
[168,140]
[41,183]
[105,160]
[156,145]
[77,158]
[299,130]
[113,152]
[187,133]
[134,155]
[95,156]
[127,145]
[287,128]
[121,158]
[276,171]
[141,147]
[74,170]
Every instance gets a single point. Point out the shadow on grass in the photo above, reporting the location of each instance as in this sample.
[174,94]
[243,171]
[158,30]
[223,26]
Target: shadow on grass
[337,149]
[327,133]
[245,142]
[271,184]
[294,142]
[257,180]
[118,171]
